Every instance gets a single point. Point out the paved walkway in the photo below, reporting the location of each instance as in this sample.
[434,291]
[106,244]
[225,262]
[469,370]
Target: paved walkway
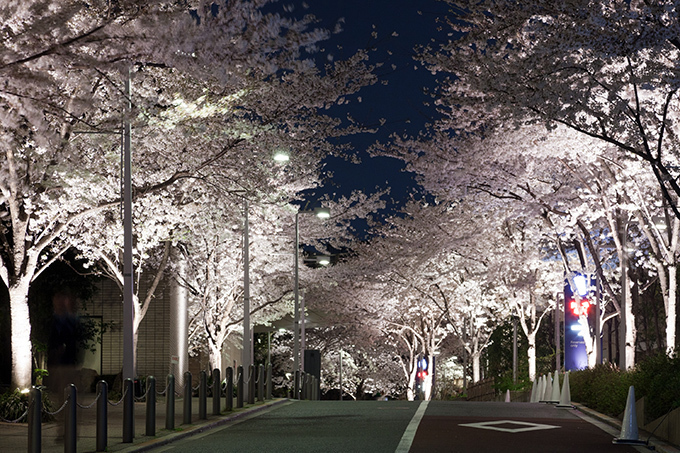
[14,436]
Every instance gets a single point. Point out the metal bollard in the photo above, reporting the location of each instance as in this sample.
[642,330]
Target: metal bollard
[260,384]
[296,385]
[239,387]
[203,395]
[102,415]
[269,381]
[128,411]
[317,389]
[251,384]
[229,392]
[187,398]
[217,392]
[70,420]
[303,386]
[170,403]
[310,379]
[34,420]
[151,406]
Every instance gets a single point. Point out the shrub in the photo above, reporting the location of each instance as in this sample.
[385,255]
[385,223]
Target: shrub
[14,404]
[658,379]
[603,388]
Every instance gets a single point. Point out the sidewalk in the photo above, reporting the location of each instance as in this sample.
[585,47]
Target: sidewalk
[14,436]
[613,426]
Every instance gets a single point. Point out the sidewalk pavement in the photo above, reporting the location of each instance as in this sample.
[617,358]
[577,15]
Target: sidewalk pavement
[613,426]
[14,436]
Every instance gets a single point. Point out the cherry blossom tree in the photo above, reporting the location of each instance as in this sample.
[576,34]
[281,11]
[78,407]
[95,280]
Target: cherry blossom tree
[65,64]
[607,71]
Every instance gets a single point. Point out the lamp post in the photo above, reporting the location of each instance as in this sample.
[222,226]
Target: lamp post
[322,213]
[247,336]
[129,359]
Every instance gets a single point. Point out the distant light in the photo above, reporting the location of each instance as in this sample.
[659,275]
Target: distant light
[659,222]
[281,156]
[323,260]
[322,213]
[581,284]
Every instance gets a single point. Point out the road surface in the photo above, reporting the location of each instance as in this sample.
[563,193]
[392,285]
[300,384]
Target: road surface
[402,426]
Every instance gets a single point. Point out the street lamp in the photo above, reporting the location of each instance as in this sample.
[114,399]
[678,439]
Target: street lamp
[281,156]
[322,213]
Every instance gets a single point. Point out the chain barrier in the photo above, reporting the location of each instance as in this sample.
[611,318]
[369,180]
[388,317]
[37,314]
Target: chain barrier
[99,393]
[143,397]
[121,399]
[4,420]
[60,409]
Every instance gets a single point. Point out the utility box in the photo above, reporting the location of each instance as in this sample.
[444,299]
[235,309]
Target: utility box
[313,366]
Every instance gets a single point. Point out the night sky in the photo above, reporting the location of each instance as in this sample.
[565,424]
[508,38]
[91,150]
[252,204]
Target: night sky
[400,26]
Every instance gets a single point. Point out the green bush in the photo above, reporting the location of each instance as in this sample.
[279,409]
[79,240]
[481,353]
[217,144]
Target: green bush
[603,388]
[14,404]
[657,378]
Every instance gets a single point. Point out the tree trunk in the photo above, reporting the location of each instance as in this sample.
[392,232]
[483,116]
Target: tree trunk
[670,309]
[22,357]
[631,331]
[531,353]
[215,355]
[476,375]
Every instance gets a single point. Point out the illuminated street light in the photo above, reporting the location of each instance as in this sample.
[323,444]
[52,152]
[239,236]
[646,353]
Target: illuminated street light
[281,156]
[323,260]
[322,213]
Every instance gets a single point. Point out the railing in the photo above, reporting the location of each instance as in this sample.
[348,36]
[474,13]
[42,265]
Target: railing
[259,386]
[482,390]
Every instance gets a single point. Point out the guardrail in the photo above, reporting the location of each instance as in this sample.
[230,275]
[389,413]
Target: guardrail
[258,383]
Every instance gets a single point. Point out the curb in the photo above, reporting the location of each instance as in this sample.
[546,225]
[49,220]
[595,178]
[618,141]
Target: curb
[654,444]
[151,444]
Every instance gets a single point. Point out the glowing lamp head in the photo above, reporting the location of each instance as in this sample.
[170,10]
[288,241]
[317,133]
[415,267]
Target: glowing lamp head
[281,156]
[322,213]
[581,284]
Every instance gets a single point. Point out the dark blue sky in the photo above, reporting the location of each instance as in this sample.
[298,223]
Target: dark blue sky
[400,25]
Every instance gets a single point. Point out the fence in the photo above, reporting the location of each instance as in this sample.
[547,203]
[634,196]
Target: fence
[258,383]
[482,390]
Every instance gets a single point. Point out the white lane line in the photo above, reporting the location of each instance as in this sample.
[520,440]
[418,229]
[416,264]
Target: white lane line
[410,433]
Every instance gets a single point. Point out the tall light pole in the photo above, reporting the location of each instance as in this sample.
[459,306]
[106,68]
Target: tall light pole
[322,213]
[129,365]
[247,336]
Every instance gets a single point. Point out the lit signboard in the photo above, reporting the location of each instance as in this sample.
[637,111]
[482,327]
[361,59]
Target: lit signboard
[579,311]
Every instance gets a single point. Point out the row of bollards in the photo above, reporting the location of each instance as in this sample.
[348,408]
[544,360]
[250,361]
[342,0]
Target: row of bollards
[259,385]
[306,386]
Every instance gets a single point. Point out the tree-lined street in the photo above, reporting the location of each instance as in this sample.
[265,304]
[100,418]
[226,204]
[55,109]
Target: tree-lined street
[175,148]
[381,426]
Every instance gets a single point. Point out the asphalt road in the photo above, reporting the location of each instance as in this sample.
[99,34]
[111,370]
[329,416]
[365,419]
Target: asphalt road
[401,426]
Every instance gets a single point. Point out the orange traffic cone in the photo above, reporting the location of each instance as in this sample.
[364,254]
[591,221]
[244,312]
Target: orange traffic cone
[629,427]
